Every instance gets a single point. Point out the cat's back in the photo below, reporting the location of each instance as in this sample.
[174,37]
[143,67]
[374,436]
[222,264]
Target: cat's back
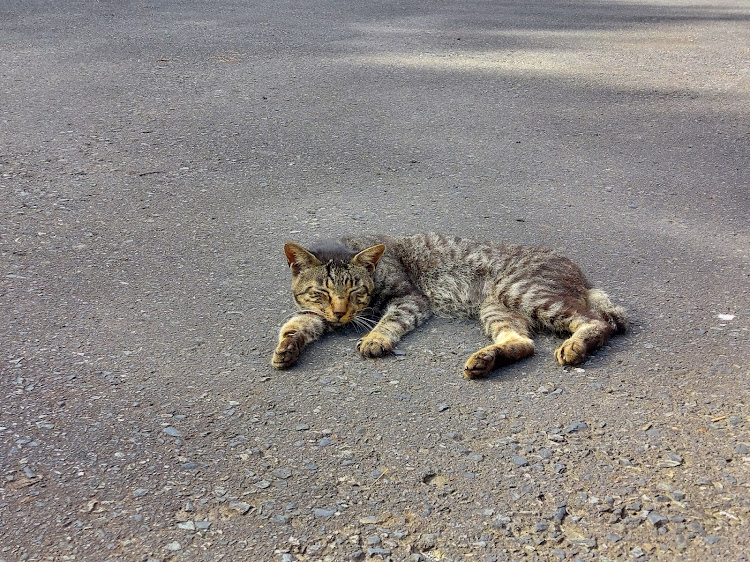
[431,254]
[456,274]
[453,272]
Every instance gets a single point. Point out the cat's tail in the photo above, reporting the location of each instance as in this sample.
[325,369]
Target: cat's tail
[599,302]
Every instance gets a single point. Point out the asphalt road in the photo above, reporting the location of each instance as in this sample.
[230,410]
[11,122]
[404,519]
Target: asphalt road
[154,157]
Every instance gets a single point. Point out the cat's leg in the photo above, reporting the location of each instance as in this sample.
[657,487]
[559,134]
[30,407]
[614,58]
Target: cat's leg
[509,332]
[589,332]
[402,315]
[294,335]
[589,329]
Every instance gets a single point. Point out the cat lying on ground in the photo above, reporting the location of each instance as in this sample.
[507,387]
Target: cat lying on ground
[511,289]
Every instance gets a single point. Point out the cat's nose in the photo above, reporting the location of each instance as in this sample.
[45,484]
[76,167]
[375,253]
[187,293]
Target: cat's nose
[338,315]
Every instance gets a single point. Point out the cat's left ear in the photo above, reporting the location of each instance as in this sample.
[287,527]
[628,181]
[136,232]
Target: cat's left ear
[369,258]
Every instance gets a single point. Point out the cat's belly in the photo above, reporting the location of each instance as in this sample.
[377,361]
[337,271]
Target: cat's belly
[453,296]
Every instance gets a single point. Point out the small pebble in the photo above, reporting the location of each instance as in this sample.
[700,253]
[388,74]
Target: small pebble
[576,426]
[173,546]
[323,513]
[240,507]
[656,519]
[282,473]
[519,460]
[171,431]
[711,539]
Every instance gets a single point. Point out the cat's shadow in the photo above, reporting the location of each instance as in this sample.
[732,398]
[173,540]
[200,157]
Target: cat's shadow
[442,343]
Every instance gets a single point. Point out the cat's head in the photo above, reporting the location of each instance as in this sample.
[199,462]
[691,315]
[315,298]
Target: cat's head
[336,285]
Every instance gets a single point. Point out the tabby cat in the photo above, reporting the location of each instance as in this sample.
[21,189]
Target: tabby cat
[511,289]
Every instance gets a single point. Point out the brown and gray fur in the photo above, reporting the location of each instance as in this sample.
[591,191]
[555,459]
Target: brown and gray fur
[390,285]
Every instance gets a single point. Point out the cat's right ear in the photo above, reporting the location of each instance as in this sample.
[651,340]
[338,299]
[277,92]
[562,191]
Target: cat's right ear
[299,258]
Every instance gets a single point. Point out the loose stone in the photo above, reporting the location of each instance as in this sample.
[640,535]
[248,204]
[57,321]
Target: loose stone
[171,431]
[323,513]
[519,460]
[656,519]
[576,426]
[282,473]
[240,507]
[711,539]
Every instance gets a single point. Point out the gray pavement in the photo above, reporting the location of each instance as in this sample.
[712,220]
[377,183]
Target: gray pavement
[154,157]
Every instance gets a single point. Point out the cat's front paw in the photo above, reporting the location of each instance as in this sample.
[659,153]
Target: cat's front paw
[375,344]
[571,352]
[287,351]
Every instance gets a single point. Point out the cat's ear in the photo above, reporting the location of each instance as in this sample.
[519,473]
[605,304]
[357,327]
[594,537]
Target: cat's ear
[369,258]
[299,258]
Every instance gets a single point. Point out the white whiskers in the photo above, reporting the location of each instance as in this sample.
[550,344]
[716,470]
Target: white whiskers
[367,324]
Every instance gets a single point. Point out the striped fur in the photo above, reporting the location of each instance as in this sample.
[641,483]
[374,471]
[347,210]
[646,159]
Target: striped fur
[511,289]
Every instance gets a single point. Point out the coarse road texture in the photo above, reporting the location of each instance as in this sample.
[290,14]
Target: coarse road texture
[155,156]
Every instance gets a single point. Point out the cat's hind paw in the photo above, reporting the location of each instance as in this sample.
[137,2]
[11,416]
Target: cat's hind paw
[571,352]
[375,344]
[480,363]
[287,352]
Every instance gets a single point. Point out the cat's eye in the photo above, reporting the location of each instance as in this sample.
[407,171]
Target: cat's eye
[359,295]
